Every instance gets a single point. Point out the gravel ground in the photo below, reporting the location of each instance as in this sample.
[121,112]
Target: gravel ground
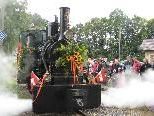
[101,111]
[113,111]
[49,114]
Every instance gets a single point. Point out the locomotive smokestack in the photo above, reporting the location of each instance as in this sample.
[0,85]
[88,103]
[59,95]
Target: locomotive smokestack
[53,27]
[64,20]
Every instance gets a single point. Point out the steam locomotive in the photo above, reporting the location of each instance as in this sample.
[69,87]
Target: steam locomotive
[52,89]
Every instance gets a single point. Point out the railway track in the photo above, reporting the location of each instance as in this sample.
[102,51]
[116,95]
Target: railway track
[100,111]
[76,113]
[114,111]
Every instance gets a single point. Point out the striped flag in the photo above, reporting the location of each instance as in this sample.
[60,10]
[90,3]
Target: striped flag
[2,35]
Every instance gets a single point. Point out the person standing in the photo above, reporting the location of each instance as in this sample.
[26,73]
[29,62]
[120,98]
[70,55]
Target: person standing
[136,65]
[128,63]
[145,66]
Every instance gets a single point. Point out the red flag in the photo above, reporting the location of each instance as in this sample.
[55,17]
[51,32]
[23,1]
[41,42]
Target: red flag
[101,76]
[34,79]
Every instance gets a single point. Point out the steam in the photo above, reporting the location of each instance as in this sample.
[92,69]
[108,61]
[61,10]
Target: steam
[135,91]
[9,102]
[3,3]
[28,61]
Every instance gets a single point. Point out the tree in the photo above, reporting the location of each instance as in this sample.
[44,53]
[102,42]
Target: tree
[102,34]
[17,20]
[93,33]
[150,29]
[117,22]
[38,22]
[138,24]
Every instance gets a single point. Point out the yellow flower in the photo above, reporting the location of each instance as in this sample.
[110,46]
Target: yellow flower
[76,53]
[78,63]
[68,58]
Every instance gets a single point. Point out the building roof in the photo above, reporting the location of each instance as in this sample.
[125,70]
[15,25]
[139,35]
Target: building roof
[147,44]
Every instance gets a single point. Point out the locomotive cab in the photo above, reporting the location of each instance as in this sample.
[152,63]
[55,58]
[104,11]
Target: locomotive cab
[30,40]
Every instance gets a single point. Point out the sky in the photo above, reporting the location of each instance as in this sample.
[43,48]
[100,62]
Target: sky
[82,11]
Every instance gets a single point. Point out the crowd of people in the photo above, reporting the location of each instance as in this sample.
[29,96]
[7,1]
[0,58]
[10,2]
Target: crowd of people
[99,70]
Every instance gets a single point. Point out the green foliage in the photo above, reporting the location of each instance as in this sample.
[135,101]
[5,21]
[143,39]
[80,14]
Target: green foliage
[102,34]
[17,20]
[150,29]
[37,22]
[70,49]
[22,57]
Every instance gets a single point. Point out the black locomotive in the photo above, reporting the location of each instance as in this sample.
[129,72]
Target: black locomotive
[54,90]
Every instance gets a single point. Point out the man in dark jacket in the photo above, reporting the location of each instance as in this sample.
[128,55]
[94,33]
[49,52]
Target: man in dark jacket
[145,66]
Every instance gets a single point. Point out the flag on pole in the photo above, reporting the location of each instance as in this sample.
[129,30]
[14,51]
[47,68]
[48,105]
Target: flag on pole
[34,79]
[101,76]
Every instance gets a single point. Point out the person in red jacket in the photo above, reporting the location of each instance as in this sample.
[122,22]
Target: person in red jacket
[136,65]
